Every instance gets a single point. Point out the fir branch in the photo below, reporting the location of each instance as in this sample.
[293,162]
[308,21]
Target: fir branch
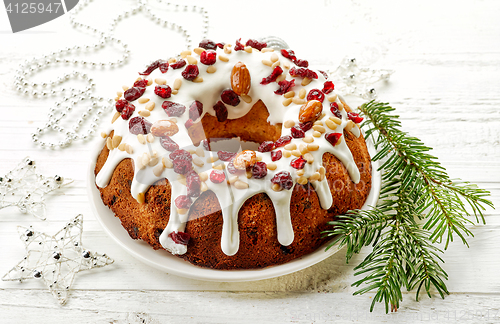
[416,189]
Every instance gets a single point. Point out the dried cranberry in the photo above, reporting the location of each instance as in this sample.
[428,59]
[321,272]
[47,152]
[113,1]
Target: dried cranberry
[306,126]
[239,46]
[301,63]
[225,155]
[231,169]
[259,170]
[180,237]
[328,87]
[188,123]
[182,166]
[178,64]
[133,93]
[220,111]
[153,66]
[282,141]
[208,44]
[183,202]
[208,57]
[284,179]
[168,144]
[324,74]
[333,138]
[120,104]
[230,97]
[163,66]
[354,117]
[297,132]
[180,154]
[206,145]
[285,86]
[304,73]
[298,163]
[127,111]
[274,75]
[193,184]
[315,94]
[256,44]
[276,155]
[163,91]
[266,146]
[142,83]
[139,125]
[217,176]
[190,72]
[195,110]
[289,54]
[173,109]
[334,108]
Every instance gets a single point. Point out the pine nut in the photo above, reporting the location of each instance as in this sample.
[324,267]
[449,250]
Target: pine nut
[185,53]
[211,69]
[312,147]
[332,98]
[287,154]
[115,117]
[276,187]
[308,139]
[315,176]
[272,166]
[267,49]
[141,198]
[298,101]
[291,146]
[143,100]
[104,135]
[116,141]
[267,62]
[302,93]
[274,57]
[150,138]
[287,102]
[330,124]
[296,153]
[167,163]
[309,158]
[144,113]
[141,139]
[203,176]
[198,79]
[336,120]
[160,81]
[240,184]
[305,81]
[319,128]
[289,123]
[197,161]
[302,180]
[177,84]
[246,98]
[316,134]
[150,106]
[248,49]
[289,94]
[158,169]
[109,143]
[199,50]
[125,88]
[191,60]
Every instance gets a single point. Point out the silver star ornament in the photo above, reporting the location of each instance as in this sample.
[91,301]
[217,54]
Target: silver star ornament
[25,188]
[56,259]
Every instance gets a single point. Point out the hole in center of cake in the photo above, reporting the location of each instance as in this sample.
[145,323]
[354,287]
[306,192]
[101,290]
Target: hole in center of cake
[232,145]
[250,130]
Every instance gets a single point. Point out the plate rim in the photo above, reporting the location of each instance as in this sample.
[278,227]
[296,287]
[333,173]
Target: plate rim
[163,260]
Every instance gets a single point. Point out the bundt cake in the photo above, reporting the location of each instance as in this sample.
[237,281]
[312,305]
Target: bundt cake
[165,171]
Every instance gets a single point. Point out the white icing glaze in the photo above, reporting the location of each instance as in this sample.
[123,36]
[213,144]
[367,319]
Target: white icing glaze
[230,198]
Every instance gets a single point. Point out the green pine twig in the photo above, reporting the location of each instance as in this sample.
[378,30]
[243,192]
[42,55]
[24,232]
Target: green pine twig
[419,205]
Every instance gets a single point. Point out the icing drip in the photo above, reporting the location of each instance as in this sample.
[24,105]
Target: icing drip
[231,197]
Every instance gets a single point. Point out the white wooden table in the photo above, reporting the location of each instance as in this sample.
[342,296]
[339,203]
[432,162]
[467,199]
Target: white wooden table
[446,87]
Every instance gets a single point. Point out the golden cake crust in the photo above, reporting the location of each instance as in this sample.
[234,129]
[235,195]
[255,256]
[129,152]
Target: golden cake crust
[259,246]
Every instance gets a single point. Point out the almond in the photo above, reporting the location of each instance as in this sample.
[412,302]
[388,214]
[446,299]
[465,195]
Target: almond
[244,160]
[310,111]
[240,79]
[164,128]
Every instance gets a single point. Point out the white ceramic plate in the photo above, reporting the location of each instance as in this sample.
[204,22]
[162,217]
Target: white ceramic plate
[163,260]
